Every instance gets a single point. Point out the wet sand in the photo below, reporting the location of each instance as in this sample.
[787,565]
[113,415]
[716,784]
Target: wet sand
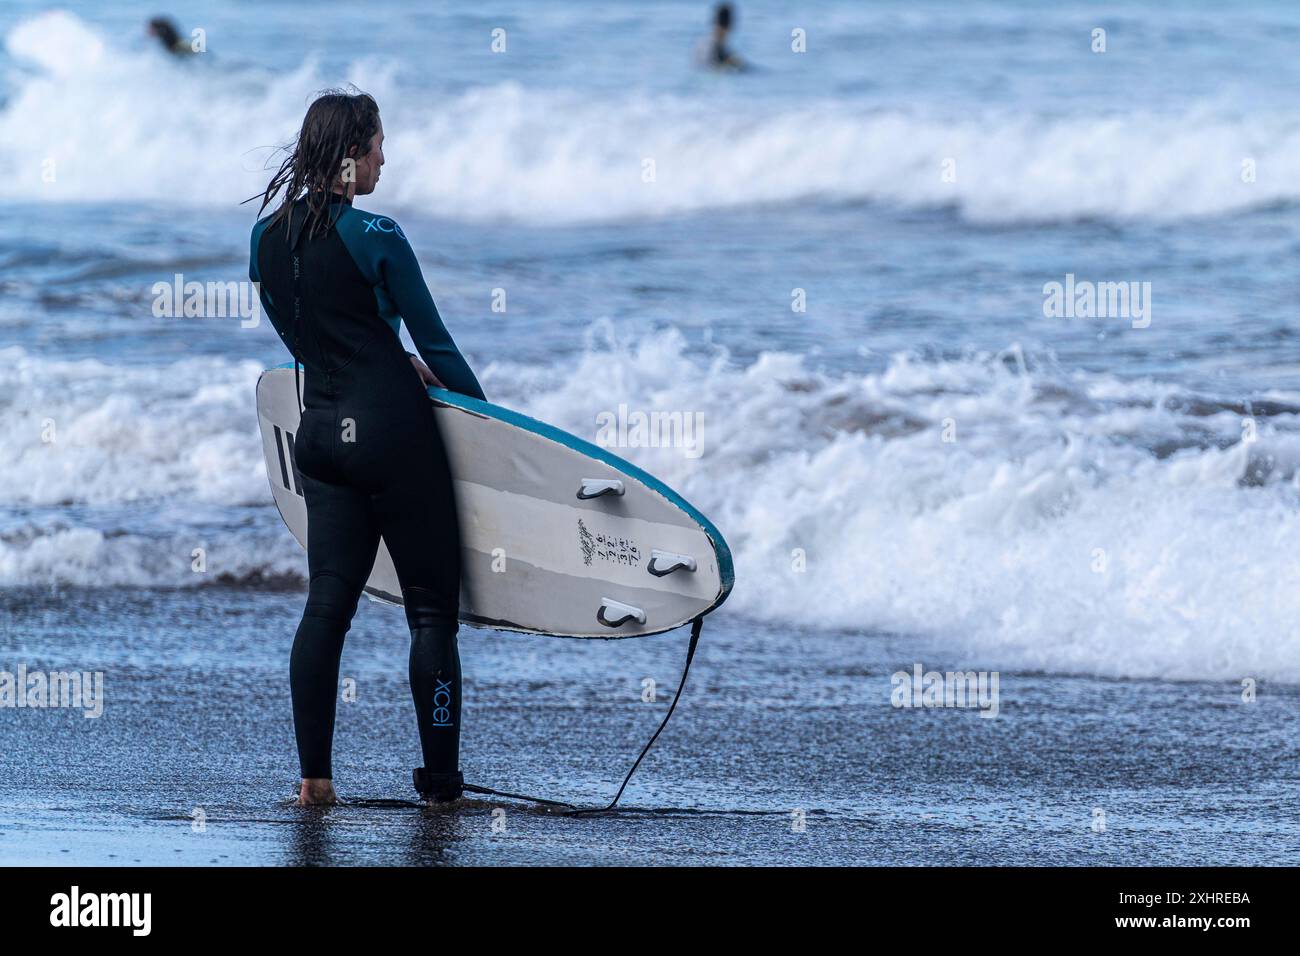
[776,727]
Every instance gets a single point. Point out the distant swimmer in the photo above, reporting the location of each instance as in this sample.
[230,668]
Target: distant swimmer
[714,52]
[165,30]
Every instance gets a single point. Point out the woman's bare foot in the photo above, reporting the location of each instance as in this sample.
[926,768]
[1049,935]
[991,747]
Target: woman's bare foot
[317,792]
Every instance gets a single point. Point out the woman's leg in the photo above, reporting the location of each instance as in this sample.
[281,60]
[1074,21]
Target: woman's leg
[434,670]
[342,540]
[417,518]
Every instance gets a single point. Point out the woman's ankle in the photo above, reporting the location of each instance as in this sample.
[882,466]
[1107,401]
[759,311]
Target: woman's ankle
[315,791]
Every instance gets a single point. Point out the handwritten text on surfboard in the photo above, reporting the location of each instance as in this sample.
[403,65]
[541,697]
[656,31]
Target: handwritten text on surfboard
[607,547]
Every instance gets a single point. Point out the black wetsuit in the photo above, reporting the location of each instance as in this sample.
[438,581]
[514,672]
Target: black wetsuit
[372,461]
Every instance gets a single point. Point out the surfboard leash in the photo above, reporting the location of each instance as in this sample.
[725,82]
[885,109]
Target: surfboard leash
[576,811]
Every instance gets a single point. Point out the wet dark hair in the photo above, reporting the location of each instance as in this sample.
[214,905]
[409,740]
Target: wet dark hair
[722,16]
[338,125]
[165,30]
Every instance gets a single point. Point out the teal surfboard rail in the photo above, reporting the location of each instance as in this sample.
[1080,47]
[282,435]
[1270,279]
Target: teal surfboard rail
[726,570]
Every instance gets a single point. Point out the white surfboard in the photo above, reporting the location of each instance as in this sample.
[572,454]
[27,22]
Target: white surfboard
[558,536]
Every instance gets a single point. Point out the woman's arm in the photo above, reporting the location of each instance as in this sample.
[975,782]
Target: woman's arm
[379,248]
[405,284]
[254,275]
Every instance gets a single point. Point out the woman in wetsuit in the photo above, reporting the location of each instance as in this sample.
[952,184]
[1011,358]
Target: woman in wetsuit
[337,282]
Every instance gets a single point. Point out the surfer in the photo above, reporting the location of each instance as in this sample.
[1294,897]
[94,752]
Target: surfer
[714,52]
[165,30]
[336,283]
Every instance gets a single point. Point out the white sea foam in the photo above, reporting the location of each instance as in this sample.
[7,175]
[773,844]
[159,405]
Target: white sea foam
[1078,522]
[132,125]
[1050,534]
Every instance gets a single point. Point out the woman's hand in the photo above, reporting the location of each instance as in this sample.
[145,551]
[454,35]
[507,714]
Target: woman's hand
[426,373]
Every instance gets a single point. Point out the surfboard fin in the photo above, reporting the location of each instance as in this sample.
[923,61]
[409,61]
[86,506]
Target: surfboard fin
[595,487]
[666,562]
[615,613]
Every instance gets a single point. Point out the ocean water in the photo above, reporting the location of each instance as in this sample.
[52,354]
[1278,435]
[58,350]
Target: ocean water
[918,466]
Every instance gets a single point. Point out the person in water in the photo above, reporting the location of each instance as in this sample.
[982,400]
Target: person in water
[337,282]
[715,54]
[170,37]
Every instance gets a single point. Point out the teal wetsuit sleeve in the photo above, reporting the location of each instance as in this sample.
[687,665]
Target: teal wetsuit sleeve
[406,285]
[386,258]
